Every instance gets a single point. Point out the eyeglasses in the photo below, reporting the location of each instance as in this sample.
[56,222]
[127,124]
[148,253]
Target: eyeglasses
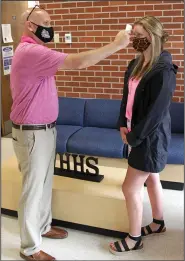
[33,10]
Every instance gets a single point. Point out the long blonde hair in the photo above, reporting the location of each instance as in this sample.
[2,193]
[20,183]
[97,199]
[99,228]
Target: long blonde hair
[158,38]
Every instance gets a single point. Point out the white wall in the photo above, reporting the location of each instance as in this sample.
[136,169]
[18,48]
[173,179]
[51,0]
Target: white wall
[31,4]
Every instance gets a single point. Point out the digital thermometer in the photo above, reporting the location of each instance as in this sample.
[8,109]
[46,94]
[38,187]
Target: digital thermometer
[128,28]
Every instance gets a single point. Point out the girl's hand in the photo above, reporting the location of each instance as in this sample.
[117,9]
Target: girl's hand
[124,132]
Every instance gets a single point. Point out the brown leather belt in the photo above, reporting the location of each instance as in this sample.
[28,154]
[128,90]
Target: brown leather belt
[34,127]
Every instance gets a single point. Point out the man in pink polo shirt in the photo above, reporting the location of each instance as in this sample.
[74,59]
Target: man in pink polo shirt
[34,113]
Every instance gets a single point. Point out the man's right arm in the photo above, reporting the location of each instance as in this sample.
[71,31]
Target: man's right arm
[47,62]
[89,58]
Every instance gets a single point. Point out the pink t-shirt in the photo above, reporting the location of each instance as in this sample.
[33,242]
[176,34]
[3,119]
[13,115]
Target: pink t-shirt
[132,86]
[32,82]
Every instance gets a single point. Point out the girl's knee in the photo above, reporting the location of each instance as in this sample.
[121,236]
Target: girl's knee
[127,190]
[153,180]
[131,191]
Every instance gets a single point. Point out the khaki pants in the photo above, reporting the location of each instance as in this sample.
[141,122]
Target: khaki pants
[35,152]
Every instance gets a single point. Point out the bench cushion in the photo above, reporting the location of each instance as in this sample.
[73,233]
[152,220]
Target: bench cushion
[176,150]
[97,142]
[64,132]
[177,117]
[102,113]
[71,111]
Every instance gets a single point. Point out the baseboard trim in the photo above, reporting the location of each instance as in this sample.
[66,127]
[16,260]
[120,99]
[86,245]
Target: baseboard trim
[172,185]
[89,229]
[75,226]
[9,212]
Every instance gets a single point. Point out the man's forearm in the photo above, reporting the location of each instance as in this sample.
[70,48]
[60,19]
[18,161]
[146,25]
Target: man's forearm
[89,58]
[92,57]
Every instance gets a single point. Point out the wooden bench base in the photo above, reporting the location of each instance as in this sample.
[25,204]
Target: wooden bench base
[84,203]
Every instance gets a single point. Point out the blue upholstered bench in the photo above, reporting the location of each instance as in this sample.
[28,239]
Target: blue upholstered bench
[89,127]
[90,148]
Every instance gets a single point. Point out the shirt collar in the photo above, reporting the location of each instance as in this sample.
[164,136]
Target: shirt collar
[27,39]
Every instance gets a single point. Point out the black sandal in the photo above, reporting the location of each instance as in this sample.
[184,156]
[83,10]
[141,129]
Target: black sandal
[122,247]
[161,229]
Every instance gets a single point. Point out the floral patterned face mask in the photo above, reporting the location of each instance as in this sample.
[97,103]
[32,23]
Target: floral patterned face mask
[140,44]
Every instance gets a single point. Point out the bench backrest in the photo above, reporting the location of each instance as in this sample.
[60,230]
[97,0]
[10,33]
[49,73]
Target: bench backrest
[71,111]
[177,117]
[104,113]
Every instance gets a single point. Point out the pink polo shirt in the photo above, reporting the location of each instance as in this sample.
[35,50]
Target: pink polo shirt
[132,86]
[32,82]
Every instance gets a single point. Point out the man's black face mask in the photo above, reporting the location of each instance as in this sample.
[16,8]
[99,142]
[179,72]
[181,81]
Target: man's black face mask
[45,34]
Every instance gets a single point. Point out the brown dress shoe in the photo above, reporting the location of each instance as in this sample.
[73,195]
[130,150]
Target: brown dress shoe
[38,256]
[56,233]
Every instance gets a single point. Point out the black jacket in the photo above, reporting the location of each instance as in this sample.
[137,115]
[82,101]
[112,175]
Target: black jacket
[151,123]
